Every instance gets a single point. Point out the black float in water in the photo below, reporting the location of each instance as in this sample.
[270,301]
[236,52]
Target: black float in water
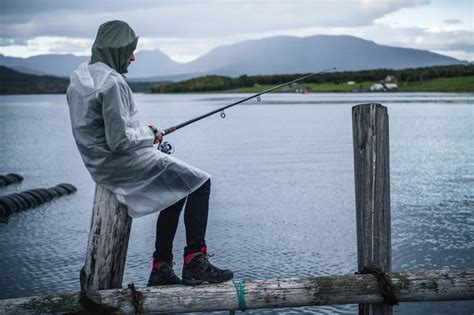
[9,179]
[31,198]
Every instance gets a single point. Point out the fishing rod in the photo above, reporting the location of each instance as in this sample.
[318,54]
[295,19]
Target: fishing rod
[166,147]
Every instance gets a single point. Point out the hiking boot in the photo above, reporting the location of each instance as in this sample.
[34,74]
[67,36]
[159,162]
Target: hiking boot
[197,269]
[162,274]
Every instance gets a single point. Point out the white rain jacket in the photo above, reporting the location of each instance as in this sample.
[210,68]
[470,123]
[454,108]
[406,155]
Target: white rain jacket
[118,152]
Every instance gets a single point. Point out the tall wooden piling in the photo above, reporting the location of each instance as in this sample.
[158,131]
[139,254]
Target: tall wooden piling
[108,243]
[372,192]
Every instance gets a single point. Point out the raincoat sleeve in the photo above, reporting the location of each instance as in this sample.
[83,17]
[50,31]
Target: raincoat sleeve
[119,134]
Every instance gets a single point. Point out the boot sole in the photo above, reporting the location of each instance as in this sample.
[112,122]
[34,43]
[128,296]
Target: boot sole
[198,282]
[158,284]
[162,284]
[192,282]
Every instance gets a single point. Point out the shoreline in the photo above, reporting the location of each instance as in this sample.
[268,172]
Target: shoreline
[289,93]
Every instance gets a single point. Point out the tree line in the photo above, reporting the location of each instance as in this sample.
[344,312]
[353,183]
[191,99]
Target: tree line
[211,83]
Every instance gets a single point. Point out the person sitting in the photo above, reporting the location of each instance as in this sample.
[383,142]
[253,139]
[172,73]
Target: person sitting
[118,152]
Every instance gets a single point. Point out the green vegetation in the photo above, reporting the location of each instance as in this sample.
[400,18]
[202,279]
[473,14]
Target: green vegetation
[143,87]
[456,84]
[310,87]
[207,83]
[454,78]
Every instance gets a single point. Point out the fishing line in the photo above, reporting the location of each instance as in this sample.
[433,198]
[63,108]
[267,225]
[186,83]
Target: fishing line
[166,147]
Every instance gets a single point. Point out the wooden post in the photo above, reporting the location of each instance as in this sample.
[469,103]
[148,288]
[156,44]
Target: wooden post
[108,243]
[372,192]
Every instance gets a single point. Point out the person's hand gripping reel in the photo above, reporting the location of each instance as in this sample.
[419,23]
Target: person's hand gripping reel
[163,146]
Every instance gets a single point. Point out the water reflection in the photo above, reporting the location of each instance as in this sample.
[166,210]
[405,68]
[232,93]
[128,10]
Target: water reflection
[282,203]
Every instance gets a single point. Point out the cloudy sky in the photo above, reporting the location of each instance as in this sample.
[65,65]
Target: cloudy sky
[186,29]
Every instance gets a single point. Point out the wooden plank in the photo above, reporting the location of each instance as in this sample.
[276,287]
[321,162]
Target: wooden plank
[441,285]
[372,189]
[108,243]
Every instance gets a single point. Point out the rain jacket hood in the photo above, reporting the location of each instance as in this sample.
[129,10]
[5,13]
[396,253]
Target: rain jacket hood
[114,43]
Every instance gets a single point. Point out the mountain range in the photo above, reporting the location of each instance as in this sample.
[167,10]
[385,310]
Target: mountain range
[273,55]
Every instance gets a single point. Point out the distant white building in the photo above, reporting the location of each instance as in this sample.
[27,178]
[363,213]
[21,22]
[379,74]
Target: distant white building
[303,90]
[381,87]
[377,87]
[391,86]
[350,82]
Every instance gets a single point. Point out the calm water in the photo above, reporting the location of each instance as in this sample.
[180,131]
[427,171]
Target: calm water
[282,203]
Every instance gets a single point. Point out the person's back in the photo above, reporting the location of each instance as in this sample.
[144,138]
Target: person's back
[89,85]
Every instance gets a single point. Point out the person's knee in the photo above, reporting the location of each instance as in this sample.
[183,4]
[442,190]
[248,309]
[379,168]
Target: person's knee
[203,190]
[206,187]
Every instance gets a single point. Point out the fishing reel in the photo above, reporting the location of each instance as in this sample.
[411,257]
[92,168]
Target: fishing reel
[166,147]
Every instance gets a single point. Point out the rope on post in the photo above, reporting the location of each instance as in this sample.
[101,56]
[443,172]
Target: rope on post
[90,306]
[239,287]
[385,285]
[136,296]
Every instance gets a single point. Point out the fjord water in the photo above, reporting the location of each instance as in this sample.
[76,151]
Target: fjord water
[282,200]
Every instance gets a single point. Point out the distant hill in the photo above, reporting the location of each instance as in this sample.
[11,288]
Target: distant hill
[150,63]
[14,82]
[286,54]
[274,55]
[57,65]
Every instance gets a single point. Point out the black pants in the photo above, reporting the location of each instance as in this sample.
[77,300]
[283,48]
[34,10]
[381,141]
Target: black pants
[195,221]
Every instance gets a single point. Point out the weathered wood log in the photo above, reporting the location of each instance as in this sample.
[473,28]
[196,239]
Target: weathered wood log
[108,243]
[442,285]
[372,191]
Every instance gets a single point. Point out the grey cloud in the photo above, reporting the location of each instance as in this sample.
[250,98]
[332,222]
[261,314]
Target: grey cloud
[447,40]
[13,42]
[454,40]
[420,38]
[208,23]
[187,18]
[34,7]
[452,21]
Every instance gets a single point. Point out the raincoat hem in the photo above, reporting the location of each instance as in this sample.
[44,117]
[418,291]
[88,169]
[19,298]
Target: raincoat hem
[184,195]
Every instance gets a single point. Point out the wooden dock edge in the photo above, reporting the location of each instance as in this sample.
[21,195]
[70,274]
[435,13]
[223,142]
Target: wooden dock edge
[435,285]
